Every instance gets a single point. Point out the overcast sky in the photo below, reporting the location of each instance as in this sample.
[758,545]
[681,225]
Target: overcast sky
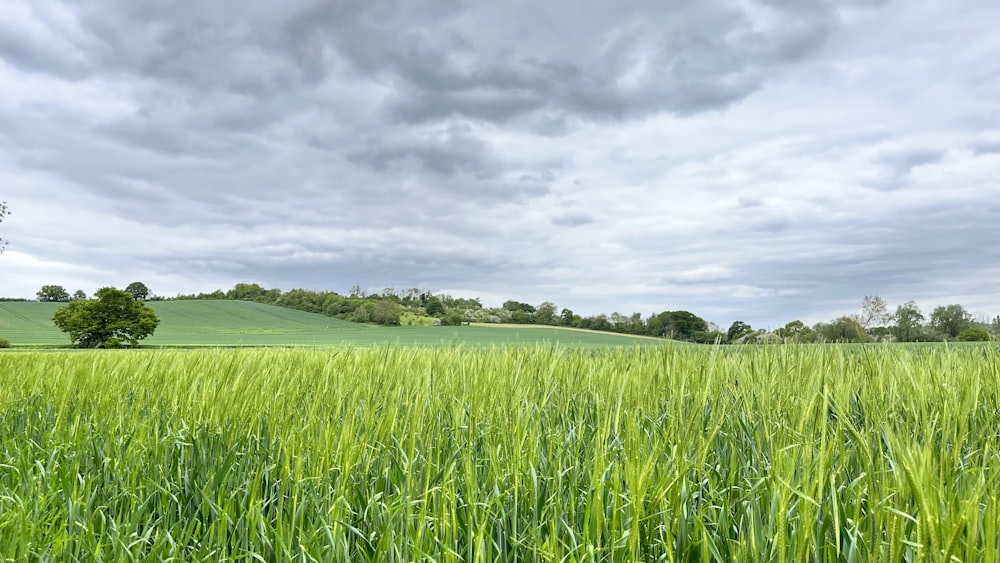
[761,160]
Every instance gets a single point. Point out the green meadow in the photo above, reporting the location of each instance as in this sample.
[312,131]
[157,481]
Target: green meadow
[243,323]
[389,453]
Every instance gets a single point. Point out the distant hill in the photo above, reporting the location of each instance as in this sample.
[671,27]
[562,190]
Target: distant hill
[244,323]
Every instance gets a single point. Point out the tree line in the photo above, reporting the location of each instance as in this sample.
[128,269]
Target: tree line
[873,322]
[877,322]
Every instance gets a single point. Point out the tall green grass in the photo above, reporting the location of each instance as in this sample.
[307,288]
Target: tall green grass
[786,453]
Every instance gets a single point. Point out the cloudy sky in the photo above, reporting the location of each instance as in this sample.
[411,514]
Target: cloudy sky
[761,160]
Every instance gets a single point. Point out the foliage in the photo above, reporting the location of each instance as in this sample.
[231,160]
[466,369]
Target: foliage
[138,290]
[950,320]
[974,334]
[253,292]
[78,295]
[907,322]
[386,313]
[796,331]
[453,318]
[112,317]
[677,325]
[4,343]
[56,293]
[434,307]
[738,329]
[568,318]
[512,305]
[545,314]
[874,313]
[842,329]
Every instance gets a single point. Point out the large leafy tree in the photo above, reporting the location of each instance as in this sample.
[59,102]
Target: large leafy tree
[52,293]
[138,290]
[545,314]
[113,317]
[950,320]
[738,329]
[677,325]
[907,321]
[842,329]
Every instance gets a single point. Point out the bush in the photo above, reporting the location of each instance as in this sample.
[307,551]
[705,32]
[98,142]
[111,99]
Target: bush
[4,343]
[453,318]
[974,335]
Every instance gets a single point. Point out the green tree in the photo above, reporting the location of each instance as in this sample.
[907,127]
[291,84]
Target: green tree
[950,320]
[111,318]
[974,335]
[52,293]
[512,306]
[907,321]
[738,329]
[685,325]
[600,322]
[78,295]
[842,329]
[796,331]
[386,312]
[874,313]
[545,314]
[138,290]
[567,318]
[453,318]
[253,292]
[434,307]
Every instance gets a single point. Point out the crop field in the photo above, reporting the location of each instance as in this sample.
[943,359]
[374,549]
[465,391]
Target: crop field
[242,323]
[666,453]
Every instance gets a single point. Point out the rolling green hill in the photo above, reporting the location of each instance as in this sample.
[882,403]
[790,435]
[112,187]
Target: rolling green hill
[243,323]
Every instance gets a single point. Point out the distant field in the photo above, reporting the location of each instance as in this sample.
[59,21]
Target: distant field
[241,323]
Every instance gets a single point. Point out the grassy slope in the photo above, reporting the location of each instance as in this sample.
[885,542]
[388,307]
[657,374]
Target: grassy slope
[239,323]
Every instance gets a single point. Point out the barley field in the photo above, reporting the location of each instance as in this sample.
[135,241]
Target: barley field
[781,453]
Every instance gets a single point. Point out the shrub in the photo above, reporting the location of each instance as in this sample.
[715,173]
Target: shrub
[974,335]
[4,343]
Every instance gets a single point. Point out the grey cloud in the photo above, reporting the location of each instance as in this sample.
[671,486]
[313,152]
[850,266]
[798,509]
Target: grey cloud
[442,152]
[749,202]
[986,147]
[572,220]
[38,54]
[894,167]
[610,61]
[904,161]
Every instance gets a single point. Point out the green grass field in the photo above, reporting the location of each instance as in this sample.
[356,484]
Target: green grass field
[241,323]
[669,453]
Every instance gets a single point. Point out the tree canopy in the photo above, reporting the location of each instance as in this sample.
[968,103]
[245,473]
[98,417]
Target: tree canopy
[950,319]
[52,293]
[138,290]
[112,318]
